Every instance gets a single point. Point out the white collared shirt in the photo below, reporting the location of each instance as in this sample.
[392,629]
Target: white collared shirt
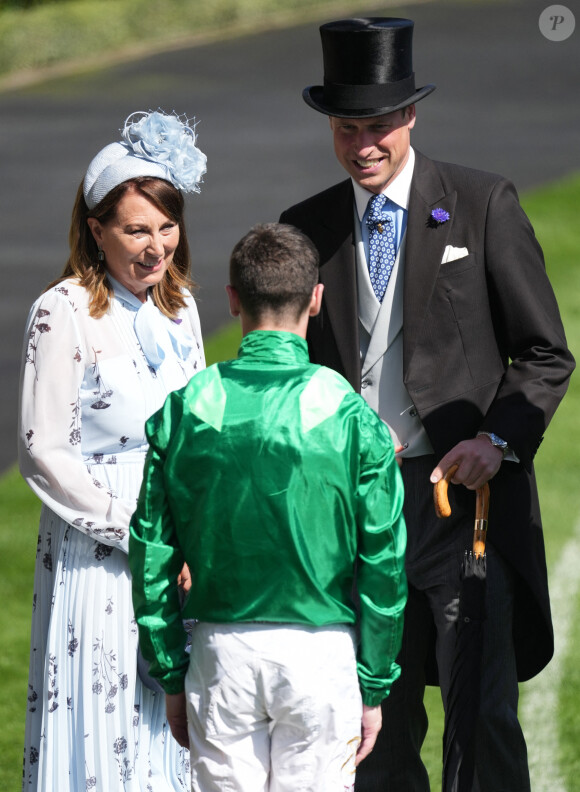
[397,191]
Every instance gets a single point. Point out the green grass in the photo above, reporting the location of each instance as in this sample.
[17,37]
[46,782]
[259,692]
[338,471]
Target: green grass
[19,511]
[223,344]
[555,217]
[568,719]
[84,33]
[553,213]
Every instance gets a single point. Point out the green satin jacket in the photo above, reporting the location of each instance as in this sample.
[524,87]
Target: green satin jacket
[272,479]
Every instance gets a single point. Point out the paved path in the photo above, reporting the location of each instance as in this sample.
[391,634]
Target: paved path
[507,101]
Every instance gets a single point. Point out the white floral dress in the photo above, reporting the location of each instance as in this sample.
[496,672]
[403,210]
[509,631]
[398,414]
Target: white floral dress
[88,385]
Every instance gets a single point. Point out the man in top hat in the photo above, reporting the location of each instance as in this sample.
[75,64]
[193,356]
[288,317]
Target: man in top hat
[438,309]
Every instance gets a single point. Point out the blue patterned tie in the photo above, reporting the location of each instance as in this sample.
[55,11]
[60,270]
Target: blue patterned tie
[382,252]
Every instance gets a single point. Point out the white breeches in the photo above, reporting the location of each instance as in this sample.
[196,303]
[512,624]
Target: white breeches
[273,708]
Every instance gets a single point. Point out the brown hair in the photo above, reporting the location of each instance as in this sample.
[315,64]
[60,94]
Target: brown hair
[83,262]
[274,268]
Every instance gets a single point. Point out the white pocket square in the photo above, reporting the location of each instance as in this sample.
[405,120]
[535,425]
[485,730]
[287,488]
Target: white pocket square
[451,253]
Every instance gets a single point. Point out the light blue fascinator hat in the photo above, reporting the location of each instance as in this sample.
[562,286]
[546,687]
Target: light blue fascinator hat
[154,144]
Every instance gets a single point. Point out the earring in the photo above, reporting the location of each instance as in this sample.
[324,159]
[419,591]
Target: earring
[101,256]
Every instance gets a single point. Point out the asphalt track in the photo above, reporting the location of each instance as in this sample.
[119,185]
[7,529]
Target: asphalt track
[507,100]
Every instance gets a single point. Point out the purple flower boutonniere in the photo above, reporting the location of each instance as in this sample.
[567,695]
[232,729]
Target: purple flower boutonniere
[438,217]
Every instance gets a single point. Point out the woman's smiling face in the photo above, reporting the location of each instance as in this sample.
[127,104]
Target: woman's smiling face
[138,243]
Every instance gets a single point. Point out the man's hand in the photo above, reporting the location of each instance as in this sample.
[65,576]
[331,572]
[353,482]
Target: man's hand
[177,717]
[398,450]
[372,720]
[478,462]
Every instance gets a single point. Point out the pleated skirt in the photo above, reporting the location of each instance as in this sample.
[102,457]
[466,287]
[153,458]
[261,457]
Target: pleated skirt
[91,724]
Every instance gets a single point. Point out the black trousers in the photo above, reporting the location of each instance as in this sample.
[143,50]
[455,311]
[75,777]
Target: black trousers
[434,555]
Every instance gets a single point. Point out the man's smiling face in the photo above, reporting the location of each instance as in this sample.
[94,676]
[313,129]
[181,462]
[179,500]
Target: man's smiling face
[374,150]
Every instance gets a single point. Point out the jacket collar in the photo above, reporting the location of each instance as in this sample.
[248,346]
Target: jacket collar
[274,346]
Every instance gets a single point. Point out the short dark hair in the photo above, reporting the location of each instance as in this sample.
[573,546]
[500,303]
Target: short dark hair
[274,269]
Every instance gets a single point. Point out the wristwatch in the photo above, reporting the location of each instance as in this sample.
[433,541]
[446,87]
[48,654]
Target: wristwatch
[496,441]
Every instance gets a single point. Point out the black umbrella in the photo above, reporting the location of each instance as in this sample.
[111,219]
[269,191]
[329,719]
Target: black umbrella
[462,707]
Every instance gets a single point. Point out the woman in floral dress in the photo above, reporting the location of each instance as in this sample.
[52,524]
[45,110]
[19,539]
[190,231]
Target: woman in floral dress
[104,345]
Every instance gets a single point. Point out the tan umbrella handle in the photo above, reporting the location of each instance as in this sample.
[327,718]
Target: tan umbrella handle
[440,497]
[443,509]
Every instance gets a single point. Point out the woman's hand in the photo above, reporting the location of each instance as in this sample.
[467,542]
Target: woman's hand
[184,579]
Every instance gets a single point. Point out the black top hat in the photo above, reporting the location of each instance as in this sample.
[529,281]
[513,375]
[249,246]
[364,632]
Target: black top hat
[368,68]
